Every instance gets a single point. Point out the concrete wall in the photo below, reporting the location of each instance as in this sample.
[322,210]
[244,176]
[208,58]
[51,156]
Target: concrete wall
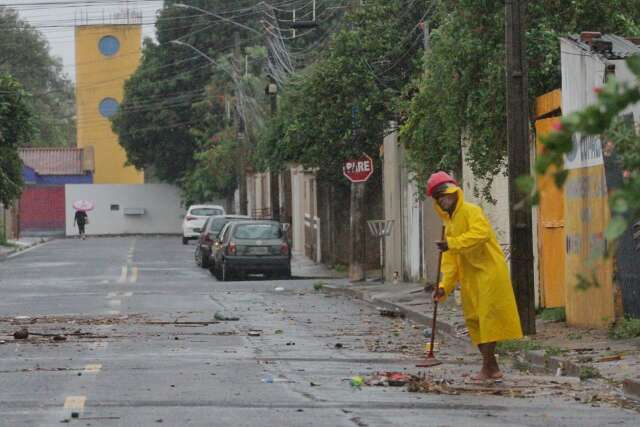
[392,205]
[163,211]
[498,213]
[31,177]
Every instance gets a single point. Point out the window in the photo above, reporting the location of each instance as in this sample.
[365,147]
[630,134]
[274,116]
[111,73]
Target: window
[225,234]
[206,212]
[109,45]
[258,231]
[108,107]
[115,207]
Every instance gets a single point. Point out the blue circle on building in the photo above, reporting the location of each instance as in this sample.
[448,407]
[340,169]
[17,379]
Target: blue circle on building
[108,107]
[109,45]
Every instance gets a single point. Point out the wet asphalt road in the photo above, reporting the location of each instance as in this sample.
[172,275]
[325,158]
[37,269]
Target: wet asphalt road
[125,364]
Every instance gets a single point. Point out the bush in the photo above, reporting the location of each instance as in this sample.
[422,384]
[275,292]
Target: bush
[553,314]
[625,329]
[506,347]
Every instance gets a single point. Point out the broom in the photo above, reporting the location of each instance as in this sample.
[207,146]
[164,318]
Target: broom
[431,359]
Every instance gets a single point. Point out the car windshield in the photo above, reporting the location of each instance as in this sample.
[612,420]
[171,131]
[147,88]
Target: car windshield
[206,211]
[257,231]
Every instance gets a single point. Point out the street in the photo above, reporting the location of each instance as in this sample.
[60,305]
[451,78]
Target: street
[143,348]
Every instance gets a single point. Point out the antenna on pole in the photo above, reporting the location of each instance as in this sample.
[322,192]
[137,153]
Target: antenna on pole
[304,24]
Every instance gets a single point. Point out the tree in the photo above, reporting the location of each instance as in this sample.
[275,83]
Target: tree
[157,114]
[25,55]
[339,106]
[15,129]
[461,96]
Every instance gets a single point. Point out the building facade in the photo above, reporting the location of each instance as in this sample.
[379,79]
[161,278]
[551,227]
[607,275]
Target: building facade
[106,56]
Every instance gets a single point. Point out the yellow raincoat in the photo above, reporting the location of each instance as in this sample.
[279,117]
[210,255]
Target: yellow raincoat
[476,261]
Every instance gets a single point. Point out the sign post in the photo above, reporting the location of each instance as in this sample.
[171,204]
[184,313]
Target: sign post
[358,171]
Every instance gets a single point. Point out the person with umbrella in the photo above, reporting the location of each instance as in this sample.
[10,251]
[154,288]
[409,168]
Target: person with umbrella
[81,219]
[472,257]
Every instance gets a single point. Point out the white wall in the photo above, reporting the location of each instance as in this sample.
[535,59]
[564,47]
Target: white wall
[161,203]
[498,214]
[297,208]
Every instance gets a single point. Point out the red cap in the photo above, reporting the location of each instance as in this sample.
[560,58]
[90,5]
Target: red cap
[437,179]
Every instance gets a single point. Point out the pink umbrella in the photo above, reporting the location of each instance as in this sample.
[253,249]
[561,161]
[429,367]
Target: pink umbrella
[83,205]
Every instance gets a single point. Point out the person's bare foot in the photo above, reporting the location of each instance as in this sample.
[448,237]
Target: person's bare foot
[486,375]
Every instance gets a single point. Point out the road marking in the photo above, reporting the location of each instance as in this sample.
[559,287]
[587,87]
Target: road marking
[111,295]
[75,402]
[92,368]
[123,274]
[134,275]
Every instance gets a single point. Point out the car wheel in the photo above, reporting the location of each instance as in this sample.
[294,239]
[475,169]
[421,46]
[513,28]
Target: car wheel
[204,260]
[286,274]
[198,256]
[185,241]
[213,270]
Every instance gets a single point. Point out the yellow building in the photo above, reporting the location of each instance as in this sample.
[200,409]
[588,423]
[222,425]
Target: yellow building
[106,55]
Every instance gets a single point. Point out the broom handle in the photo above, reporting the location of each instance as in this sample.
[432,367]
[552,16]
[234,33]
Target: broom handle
[435,305]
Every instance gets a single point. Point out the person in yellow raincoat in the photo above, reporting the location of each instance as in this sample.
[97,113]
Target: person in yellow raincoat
[472,257]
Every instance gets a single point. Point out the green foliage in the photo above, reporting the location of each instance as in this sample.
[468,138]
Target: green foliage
[515,346]
[214,174]
[625,329]
[338,107]
[556,314]
[25,55]
[588,372]
[317,286]
[551,351]
[461,96]
[15,129]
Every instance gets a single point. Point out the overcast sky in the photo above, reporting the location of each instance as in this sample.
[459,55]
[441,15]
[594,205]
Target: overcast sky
[56,19]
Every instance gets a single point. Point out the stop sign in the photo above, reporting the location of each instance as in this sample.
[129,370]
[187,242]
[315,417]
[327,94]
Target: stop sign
[358,170]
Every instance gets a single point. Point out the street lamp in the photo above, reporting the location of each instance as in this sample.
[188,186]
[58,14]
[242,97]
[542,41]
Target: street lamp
[181,43]
[215,15]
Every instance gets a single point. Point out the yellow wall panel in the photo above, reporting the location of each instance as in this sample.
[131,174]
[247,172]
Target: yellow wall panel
[100,76]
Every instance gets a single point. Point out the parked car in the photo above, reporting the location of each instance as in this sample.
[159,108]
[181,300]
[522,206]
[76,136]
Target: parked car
[245,247]
[195,218]
[210,230]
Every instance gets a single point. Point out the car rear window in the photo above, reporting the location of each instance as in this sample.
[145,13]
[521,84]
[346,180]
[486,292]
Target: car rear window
[206,211]
[257,231]
[217,224]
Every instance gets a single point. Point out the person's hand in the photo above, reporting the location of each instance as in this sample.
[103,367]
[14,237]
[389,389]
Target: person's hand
[442,245]
[438,294]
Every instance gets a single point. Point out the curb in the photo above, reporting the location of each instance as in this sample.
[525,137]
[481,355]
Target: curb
[15,251]
[551,364]
[537,358]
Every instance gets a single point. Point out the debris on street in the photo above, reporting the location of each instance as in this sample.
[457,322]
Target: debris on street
[384,379]
[222,317]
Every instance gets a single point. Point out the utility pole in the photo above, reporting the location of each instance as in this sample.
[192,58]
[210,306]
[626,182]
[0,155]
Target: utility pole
[518,147]
[240,128]
[357,227]
[272,91]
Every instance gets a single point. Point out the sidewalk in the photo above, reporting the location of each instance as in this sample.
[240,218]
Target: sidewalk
[556,348]
[14,246]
